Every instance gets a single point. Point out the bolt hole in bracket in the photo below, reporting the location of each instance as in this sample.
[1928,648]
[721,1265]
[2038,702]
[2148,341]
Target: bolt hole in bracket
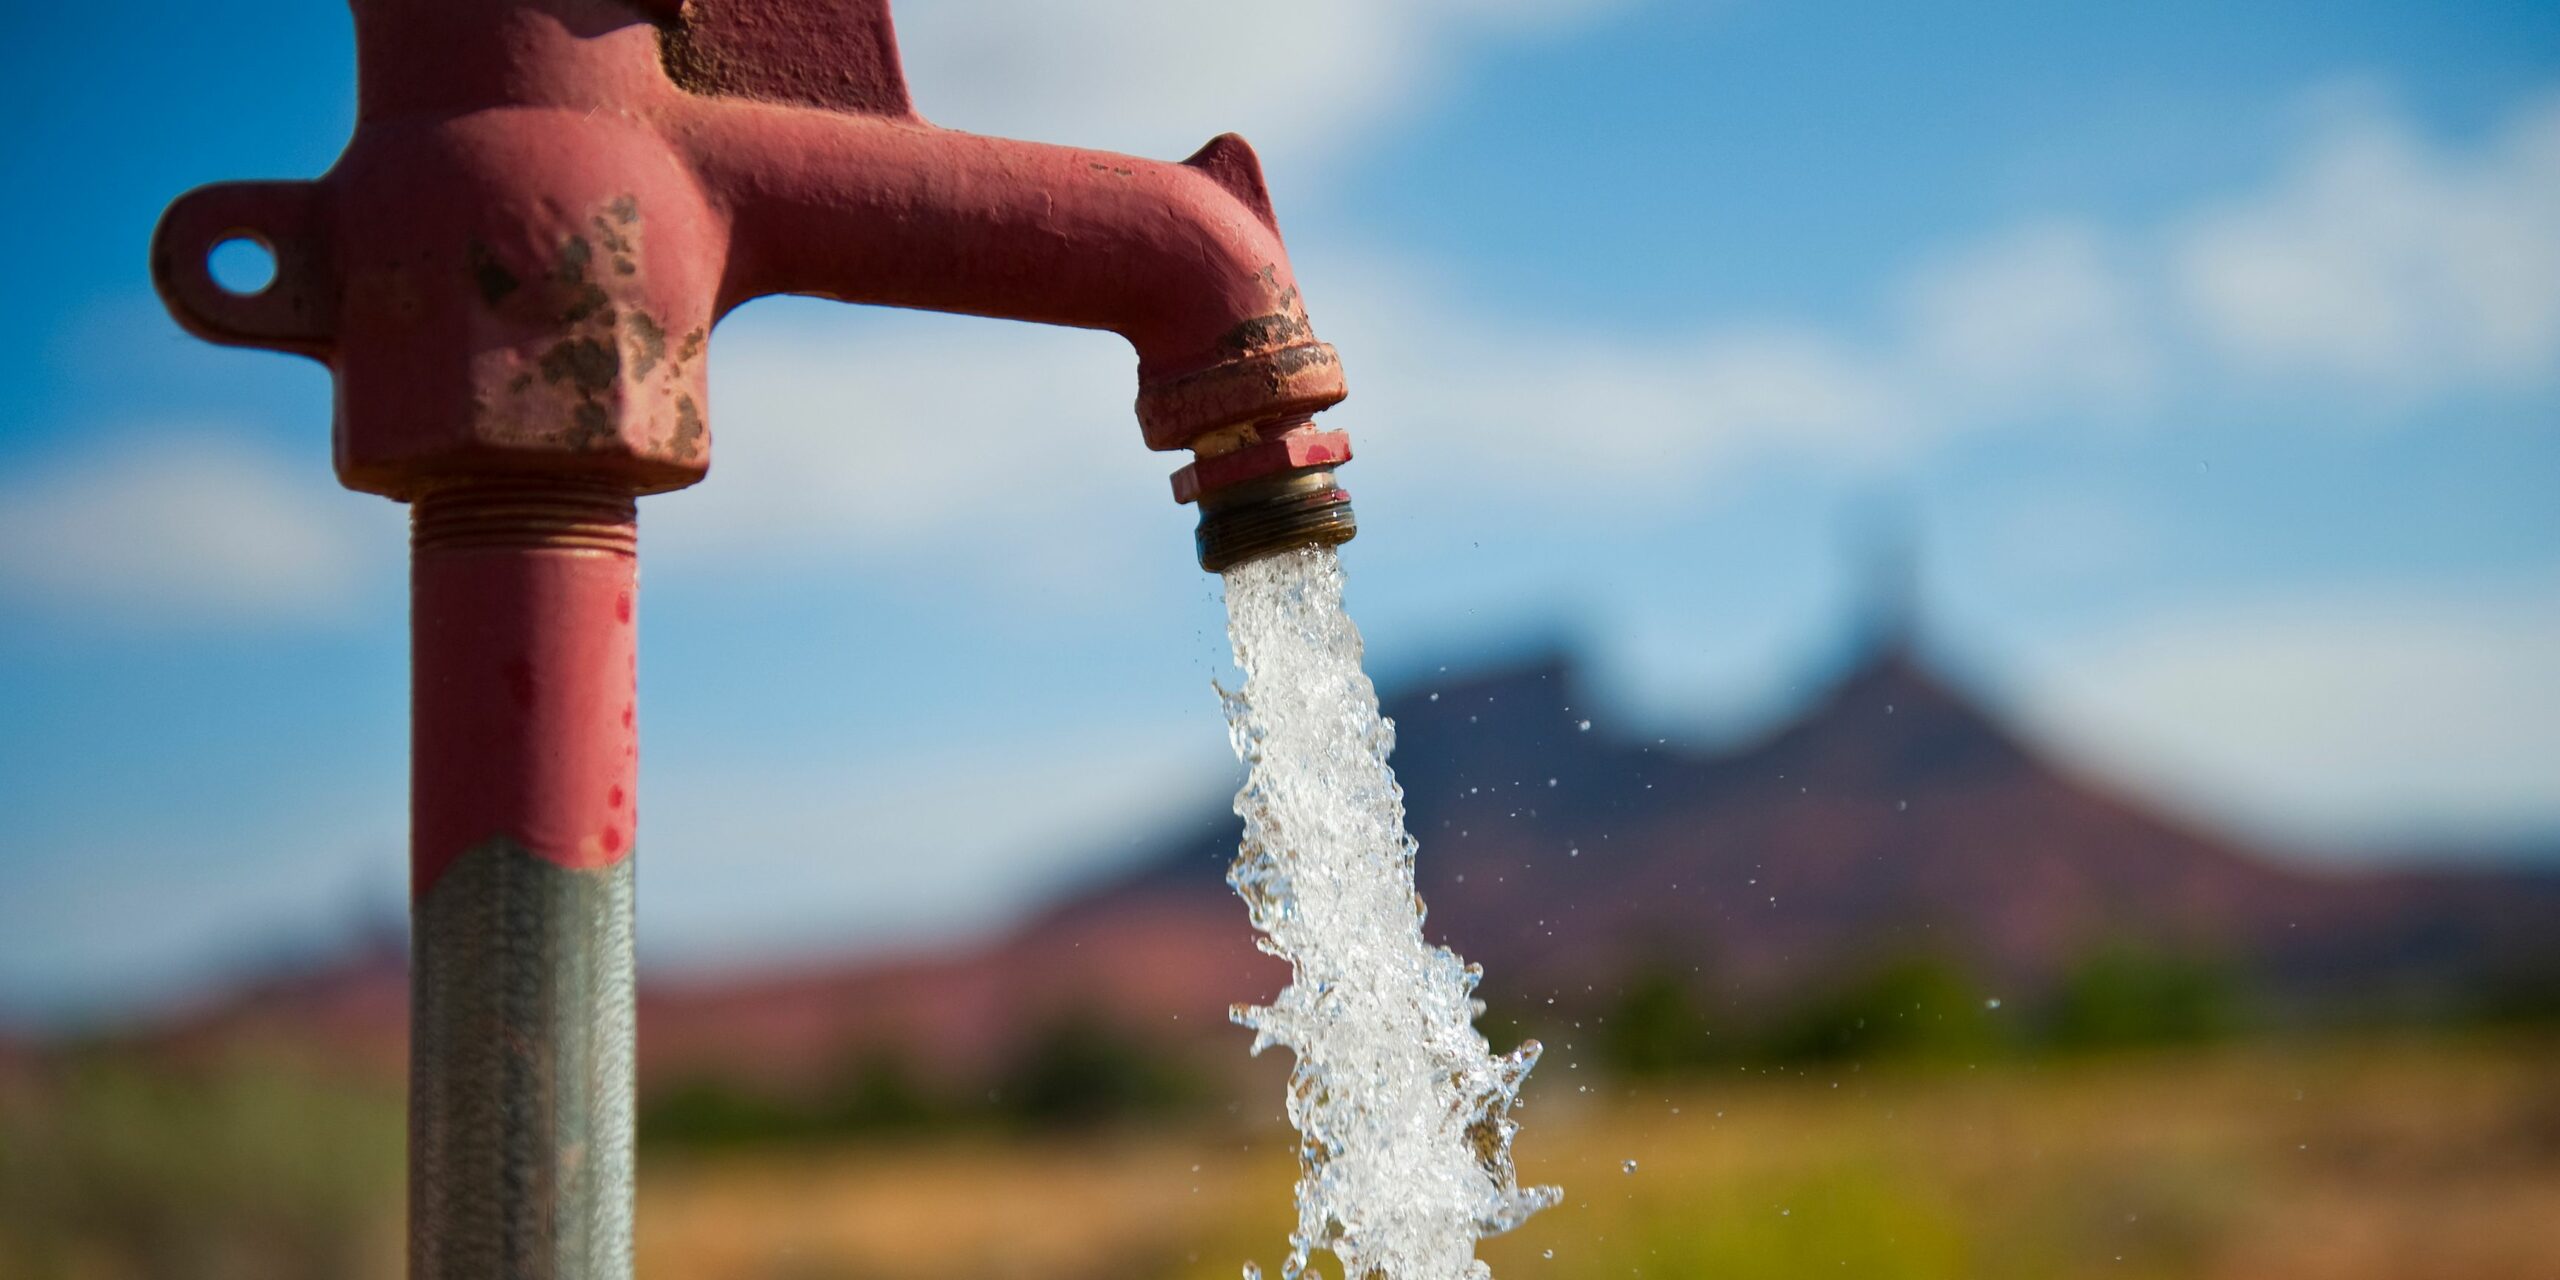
[243,265]
[196,246]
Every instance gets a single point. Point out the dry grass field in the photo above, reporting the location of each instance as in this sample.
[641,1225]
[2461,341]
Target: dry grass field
[2358,1161]
[2343,1160]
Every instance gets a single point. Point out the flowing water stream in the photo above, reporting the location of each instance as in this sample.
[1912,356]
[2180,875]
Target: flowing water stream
[1402,1110]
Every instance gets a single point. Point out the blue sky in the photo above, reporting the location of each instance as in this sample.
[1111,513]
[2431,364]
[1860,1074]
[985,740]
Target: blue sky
[2213,352]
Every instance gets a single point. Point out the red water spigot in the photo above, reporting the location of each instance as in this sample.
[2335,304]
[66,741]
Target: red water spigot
[547,204]
[513,273]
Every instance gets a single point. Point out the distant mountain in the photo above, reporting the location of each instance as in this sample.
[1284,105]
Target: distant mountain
[1891,818]
[349,1007]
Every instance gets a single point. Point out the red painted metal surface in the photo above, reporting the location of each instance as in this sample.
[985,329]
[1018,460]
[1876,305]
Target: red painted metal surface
[546,205]
[1290,450]
[523,720]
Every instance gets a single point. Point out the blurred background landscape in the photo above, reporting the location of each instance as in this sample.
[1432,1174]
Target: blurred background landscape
[1970,602]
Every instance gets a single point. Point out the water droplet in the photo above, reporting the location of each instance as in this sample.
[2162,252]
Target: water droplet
[1551,782]
[1583,725]
[1547,1253]
[1902,806]
[1573,853]
[1253,1271]
[1435,697]
[1992,1003]
[1629,1166]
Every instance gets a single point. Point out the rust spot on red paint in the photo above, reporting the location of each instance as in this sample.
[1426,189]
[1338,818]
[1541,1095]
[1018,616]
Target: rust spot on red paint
[613,799]
[649,343]
[1278,331]
[686,442]
[613,839]
[622,606]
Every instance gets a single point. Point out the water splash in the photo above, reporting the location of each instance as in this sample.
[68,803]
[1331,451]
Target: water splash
[1402,1111]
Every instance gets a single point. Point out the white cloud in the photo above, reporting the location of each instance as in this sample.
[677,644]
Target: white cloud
[1522,406]
[2417,711]
[827,857]
[104,914]
[2057,538]
[2010,325]
[2382,260]
[1160,77]
[2377,259]
[2047,312]
[180,524]
[878,435]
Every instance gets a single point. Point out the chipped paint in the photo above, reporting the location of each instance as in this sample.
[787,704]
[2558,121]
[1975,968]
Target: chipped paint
[649,344]
[605,381]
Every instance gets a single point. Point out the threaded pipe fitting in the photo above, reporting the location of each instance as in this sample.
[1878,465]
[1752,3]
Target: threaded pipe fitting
[1297,508]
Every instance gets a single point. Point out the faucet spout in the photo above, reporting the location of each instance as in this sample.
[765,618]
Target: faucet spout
[1184,260]
[834,186]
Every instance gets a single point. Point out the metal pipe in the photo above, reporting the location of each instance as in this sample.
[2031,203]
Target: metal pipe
[523,775]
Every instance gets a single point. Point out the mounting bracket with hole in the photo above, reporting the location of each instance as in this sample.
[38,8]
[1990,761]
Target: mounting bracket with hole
[295,312]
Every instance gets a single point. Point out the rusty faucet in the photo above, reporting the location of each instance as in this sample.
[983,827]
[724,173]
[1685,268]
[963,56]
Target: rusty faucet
[513,272]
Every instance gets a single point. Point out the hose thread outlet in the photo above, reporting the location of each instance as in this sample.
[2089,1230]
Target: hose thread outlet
[1248,521]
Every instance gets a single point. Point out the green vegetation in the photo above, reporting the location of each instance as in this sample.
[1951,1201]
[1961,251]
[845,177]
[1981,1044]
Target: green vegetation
[1911,1009]
[1918,1009]
[1081,1071]
[2522,996]
[1871,1225]
[1656,1027]
[1078,1072]
[252,1166]
[2126,996]
[876,1093]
